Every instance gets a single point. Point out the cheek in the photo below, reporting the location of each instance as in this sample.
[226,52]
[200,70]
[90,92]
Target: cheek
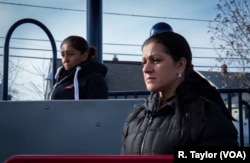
[79,58]
[167,73]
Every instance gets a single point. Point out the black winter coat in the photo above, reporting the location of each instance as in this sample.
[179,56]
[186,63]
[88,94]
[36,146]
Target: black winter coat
[201,123]
[89,82]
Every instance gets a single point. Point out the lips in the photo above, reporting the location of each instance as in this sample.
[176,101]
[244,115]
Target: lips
[67,66]
[148,79]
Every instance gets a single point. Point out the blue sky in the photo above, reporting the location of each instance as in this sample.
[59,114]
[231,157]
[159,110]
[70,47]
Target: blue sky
[124,22]
[182,15]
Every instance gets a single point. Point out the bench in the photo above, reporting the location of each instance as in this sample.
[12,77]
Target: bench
[63,126]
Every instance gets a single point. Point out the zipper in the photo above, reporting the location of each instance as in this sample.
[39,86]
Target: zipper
[150,120]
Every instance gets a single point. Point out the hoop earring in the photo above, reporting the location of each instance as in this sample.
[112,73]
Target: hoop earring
[178,75]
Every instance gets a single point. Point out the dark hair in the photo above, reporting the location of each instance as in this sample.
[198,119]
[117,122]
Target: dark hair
[177,47]
[80,44]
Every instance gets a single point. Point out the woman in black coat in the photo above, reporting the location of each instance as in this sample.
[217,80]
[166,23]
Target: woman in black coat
[183,109]
[80,77]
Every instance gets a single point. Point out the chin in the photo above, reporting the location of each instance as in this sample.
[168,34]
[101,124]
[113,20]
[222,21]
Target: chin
[151,89]
[67,68]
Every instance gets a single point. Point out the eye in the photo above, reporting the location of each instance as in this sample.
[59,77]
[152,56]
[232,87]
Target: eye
[155,60]
[71,53]
[144,61]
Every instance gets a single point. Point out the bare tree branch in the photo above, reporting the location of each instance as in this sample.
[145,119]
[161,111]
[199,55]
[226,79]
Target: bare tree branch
[231,34]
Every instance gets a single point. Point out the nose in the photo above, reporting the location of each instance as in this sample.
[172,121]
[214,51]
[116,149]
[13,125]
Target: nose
[147,68]
[65,58]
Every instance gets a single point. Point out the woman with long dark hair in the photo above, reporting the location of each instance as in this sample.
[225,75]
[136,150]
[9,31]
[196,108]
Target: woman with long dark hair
[183,109]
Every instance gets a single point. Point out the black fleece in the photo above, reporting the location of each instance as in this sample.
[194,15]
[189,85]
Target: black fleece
[90,78]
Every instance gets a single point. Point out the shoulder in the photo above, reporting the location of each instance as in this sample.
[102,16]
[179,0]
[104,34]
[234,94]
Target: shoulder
[203,112]
[93,80]
[216,127]
[94,77]
[93,67]
[200,106]
[208,113]
[211,108]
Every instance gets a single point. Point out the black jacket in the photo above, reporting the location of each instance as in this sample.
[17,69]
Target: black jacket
[200,123]
[89,82]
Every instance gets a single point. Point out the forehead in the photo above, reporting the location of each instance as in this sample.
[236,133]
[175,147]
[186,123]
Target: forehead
[67,46]
[153,48]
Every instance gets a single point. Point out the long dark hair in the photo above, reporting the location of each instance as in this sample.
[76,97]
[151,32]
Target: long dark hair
[177,47]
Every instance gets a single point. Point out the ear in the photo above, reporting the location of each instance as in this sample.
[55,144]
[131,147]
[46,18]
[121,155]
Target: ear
[181,64]
[84,56]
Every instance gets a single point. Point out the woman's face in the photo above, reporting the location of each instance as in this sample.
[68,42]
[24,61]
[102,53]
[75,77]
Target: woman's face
[159,69]
[71,56]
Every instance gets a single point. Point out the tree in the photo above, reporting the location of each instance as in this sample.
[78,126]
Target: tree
[18,88]
[37,89]
[231,33]
[14,69]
